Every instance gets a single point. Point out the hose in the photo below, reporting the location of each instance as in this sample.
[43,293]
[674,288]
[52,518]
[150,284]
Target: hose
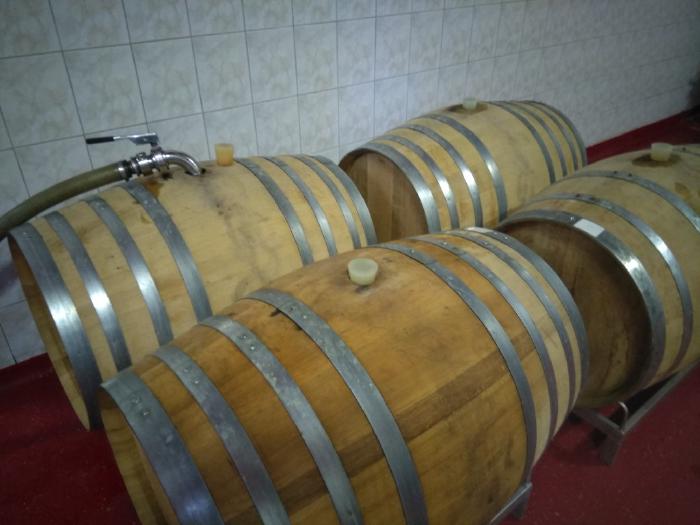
[60,192]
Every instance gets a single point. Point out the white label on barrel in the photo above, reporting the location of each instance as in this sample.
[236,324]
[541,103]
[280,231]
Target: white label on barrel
[591,228]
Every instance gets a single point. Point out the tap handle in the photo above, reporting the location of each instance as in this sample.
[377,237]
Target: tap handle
[140,138]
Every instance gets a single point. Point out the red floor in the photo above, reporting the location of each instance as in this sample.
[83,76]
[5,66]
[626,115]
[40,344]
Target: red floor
[54,472]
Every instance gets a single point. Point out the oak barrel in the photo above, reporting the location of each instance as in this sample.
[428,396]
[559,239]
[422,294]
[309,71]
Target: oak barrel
[427,394]
[124,271]
[624,235]
[459,167]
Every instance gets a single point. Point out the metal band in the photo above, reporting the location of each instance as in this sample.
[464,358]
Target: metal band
[499,336]
[138,266]
[396,452]
[478,239]
[486,156]
[673,199]
[435,170]
[231,432]
[661,247]
[311,199]
[300,412]
[532,114]
[685,149]
[337,195]
[64,315]
[358,201]
[95,289]
[285,207]
[639,275]
[425,194]
[461,164]
[567,121]
[563,129]
[166,451]
[522,313]
[560,290]
[177,246]
[535,134]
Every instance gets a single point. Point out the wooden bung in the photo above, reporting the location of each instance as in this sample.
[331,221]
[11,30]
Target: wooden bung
[427,394]
[624,235]
[113,277]
[464,165]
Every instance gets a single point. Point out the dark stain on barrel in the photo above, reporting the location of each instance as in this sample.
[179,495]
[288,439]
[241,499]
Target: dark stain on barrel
[646,161]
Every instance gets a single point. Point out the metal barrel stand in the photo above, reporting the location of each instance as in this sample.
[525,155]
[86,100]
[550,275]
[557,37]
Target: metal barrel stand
[628,415]
[516,505]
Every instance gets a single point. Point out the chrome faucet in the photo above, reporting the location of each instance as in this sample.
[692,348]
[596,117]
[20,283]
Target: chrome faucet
[157,159]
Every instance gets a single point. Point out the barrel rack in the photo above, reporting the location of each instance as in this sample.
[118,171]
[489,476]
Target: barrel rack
[628,415]
[516,505]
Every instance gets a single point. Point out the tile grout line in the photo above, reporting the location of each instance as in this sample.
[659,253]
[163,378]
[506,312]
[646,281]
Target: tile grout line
[250,76]
[196,74]
[70,82]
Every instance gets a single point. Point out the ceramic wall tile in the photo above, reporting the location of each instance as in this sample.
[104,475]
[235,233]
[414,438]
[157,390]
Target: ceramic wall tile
[6,358]
[451,84]
[84,24]
[277,126]
[356,51]
[215,16]
[183,134]
[66,157]
[222,70]
[108,152]
[105,87]
[26,26]
[318,119]
[272,66]
[11,183]
[267,14]
[427,5]
[168,79]
[426,37]
[313,11]
[156,19]
[10,289]
[510,28]
[316,57]
[393,39]
[22,335]
[484,31]
[233,126]
[36,99]
[393,7]
[456,35]
[389,103]
[421,93]
[356,9]
[356,106]
[4,137]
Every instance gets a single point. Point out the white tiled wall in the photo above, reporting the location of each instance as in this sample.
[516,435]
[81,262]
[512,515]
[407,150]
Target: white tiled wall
[320,76]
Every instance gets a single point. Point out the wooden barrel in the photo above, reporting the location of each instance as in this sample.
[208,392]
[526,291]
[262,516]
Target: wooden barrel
[124,271]
[623,234]
[425,395]
[461,167]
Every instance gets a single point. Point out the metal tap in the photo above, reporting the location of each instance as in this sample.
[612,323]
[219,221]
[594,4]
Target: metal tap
[157,159]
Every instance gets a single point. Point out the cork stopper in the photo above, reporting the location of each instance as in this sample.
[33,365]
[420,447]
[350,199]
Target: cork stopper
[362,271]
[661,151]
[470,103]
[224,154]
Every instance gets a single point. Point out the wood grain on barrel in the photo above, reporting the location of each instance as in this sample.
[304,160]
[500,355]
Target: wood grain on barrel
[611,193]
[237,236]
[431,358]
